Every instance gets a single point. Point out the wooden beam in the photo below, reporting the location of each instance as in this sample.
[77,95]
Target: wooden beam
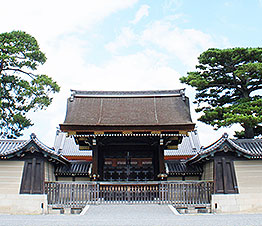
[161,159]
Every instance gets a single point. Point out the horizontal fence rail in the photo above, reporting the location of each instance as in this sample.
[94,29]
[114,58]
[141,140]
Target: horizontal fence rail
[78,195]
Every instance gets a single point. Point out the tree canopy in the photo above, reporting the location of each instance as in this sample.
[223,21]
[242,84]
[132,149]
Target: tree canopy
[228,86]
[21,88]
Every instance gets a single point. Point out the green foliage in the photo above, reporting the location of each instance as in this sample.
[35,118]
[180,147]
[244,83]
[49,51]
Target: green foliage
[225,82]
[21,89]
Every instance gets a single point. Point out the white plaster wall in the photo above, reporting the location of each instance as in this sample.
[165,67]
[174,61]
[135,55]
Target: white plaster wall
[10,176]
[249,176]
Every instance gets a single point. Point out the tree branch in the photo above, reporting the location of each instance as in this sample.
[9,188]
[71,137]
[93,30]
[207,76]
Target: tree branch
[32,76]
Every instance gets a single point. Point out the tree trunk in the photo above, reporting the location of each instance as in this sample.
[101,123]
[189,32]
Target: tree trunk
[249,132]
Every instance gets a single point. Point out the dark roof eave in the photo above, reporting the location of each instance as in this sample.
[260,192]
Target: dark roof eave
[77,127]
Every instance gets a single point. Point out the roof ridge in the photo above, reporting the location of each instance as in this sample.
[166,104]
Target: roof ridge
[79,93]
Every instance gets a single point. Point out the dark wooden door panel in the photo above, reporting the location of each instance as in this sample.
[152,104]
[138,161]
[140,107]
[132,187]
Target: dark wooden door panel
[225,179]
[33,177]
[219,178]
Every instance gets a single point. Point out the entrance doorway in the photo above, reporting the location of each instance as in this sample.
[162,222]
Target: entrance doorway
[128,164]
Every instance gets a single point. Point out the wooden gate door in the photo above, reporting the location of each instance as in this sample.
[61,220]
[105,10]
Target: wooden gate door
[128,165]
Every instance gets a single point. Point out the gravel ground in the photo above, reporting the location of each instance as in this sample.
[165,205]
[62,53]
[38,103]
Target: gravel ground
[153,215]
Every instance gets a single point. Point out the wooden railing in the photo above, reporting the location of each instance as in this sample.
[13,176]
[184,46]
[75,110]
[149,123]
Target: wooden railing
[71,194]
[129,193]
[66,194]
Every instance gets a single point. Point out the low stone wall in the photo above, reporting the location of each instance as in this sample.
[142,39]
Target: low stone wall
[237,203]
[23,204]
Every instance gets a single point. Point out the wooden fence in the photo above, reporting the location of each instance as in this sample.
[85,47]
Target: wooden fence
[78,195]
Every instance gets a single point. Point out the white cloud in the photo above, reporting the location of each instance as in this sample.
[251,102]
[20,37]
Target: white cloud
[142,12]
[172,5]
[126,37]
[48,19]
[164,35]
[141,71]
[186,44]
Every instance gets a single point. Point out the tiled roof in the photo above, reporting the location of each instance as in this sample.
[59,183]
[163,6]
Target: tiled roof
[10,147]
[251,148]
[179,168]
[10,144]
[190,146]
[73,169]
[121,110]
[254,146]
[66,146]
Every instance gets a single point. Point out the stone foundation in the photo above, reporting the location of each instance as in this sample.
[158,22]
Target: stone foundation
[237,203]
[23,204]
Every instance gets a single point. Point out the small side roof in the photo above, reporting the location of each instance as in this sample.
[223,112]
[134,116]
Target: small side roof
[75,168]
[189,146]
[12,147]
[249,148]
[180,168]
[66,146]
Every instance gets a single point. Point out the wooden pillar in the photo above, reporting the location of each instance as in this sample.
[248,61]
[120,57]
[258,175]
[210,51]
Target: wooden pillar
[95,158]
[162,171]
[161,159]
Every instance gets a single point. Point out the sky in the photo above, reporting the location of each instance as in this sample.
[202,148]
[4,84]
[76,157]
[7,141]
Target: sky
[128,45]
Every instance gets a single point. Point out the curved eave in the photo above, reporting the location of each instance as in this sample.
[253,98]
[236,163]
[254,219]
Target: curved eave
[46,151]
[210,150]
